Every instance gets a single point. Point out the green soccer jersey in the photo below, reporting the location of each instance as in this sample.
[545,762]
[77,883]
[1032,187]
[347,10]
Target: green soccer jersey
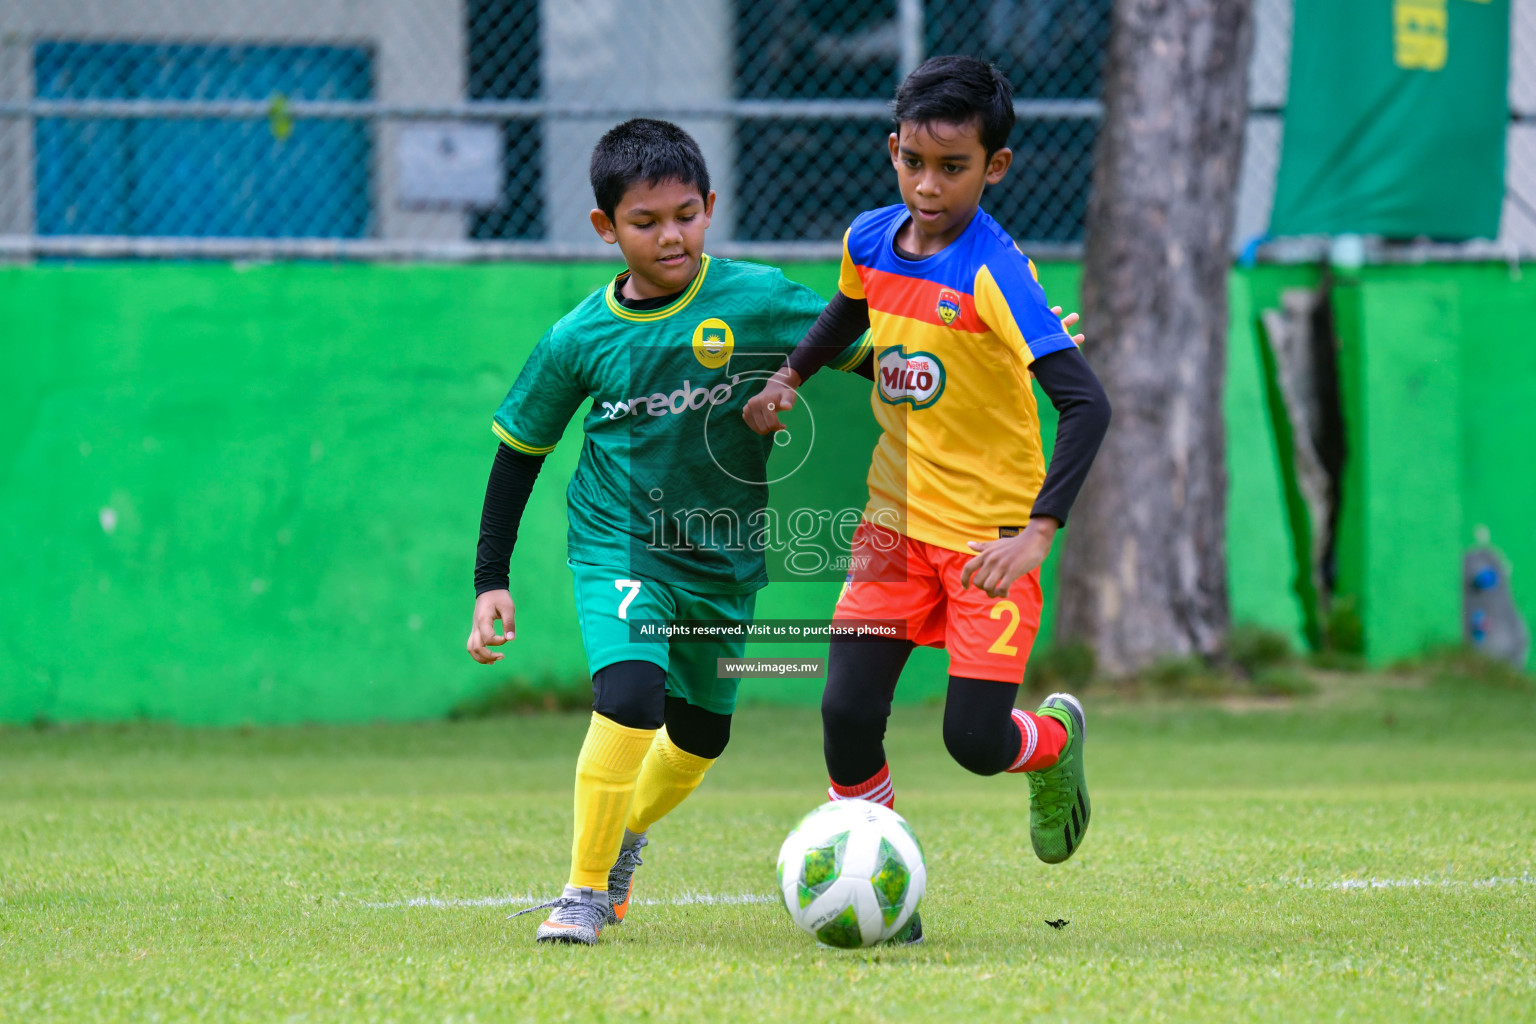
[672,482]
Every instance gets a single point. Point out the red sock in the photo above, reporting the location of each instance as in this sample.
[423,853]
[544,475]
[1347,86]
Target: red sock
[876,789]
[1043,739]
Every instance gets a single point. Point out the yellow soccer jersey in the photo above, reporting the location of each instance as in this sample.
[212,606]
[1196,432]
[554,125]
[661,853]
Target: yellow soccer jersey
[954,334]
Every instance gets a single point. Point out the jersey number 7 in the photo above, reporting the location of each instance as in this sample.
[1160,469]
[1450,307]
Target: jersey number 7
[634,588]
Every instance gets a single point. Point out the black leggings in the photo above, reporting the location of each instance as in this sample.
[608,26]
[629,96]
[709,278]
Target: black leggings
[979,731]
[634,694]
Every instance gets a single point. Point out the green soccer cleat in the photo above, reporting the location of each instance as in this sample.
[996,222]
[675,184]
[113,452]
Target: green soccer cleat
[1058,795]
[621,877]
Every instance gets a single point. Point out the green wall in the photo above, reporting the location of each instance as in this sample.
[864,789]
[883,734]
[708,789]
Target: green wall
[1498,415]
[294,456]
[1440,381]
[250,493]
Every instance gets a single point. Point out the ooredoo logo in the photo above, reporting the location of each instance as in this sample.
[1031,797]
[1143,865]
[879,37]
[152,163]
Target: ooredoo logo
[661,403]
[916,379]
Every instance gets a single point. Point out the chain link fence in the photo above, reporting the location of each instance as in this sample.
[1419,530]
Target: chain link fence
[461,128]
[464,126]
[831,168]
[1518,224]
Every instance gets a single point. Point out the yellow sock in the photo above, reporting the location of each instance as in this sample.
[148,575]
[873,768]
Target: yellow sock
[605,786]
[667,777]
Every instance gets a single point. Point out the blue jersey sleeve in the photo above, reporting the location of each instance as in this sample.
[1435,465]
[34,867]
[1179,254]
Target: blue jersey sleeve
[1009,300]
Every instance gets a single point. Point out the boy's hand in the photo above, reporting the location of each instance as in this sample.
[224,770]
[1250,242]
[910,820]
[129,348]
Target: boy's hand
[1067,322]
[1001,562]
[490,606]
[762,411]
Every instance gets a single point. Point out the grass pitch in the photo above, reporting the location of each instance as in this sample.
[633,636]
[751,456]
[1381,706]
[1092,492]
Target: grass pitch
[1365,854]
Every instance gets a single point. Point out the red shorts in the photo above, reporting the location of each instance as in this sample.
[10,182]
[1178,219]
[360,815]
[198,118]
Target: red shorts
[900,579]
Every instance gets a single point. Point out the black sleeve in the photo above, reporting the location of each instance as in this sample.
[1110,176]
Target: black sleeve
[1083,410]
[839,326]
[506,495]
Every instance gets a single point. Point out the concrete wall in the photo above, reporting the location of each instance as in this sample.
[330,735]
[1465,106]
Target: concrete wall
[651,53]
[418,56]
[606,52]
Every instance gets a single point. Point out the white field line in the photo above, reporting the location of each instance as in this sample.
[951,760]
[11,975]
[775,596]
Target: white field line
[685,900]
[693,899]
[1353,884]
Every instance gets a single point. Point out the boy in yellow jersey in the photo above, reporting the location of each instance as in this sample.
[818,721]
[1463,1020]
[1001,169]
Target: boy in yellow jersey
[961,510]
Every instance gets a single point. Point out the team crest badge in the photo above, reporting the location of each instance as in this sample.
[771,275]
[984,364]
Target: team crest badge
[713,343]
[949,306]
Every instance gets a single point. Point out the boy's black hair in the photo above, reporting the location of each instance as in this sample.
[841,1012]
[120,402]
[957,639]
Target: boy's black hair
[955,89]
[644,149]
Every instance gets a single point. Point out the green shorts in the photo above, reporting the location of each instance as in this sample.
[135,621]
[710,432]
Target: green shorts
[607,602]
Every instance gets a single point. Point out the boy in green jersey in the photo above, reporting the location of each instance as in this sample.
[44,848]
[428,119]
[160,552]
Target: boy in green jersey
[663,502]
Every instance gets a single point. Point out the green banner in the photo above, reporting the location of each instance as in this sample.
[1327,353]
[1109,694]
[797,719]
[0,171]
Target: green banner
[1396,119]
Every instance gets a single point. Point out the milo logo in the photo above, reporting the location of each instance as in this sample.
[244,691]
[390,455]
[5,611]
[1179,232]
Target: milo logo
[917,379]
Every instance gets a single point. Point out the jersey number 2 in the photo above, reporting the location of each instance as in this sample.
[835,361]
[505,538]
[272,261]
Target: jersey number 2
[634,588]
[1001,644]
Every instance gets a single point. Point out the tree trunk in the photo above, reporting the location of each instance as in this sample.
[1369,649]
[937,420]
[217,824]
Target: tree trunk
[1144,572]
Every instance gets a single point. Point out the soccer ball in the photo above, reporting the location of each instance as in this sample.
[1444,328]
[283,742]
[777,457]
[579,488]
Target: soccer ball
[851,873]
